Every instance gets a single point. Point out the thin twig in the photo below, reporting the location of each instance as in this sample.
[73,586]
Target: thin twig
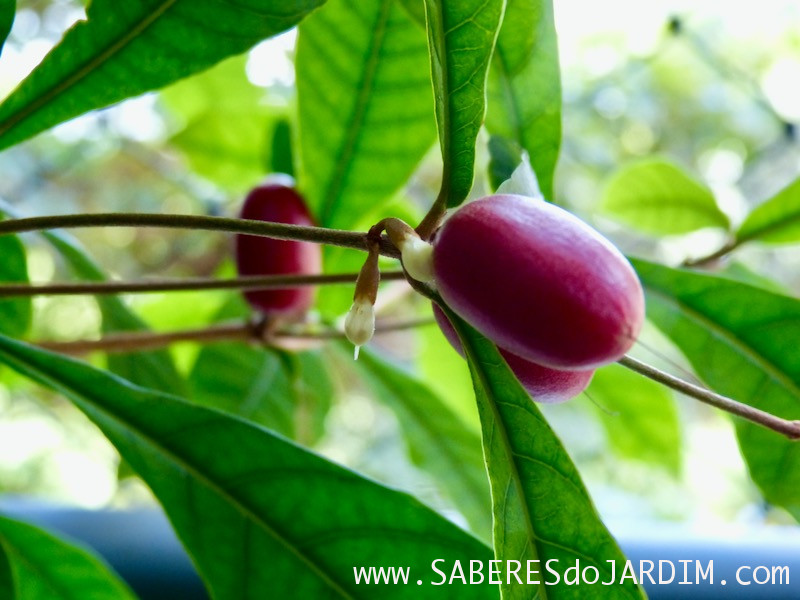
[791,429]
[281,231]
[716,255]
[138,341]
[100,288]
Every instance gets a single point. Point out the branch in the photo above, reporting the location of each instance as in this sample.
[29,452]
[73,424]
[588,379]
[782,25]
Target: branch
[138,341]
[791,429]
[717,254]
[280,231]
[167,285]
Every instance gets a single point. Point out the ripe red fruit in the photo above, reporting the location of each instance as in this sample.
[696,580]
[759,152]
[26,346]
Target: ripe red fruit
[256,255]
[538,281]
[542,383]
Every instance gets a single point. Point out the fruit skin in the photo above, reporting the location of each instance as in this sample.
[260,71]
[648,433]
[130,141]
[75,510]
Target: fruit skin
[279,203]
[538,281]
[549,386]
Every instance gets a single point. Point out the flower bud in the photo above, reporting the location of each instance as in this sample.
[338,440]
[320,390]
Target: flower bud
[359,325]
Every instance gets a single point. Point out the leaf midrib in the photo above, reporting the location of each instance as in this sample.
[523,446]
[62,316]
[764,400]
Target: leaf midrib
[787,220]
[353,133]
[85,69]
[736,343]
[245,510]
[44,576]
[509,452]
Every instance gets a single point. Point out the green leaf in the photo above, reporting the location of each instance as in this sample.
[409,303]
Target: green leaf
[8,9]
[416,10]
[639,416]
[776,221]
[43,567]
[261,517]
[504,157]
[446,373]
[226,136]
[742,341]
[153,369]
[364,104]
[282,157]
[542,511]
[15,313]
[438,440]
[461,37]
[126,49]
[525,86]
[287,392]
[658,197]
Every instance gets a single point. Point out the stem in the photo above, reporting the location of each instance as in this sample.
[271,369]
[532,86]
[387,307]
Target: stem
[138,341]
[430,221]
[717,254]
[166,285]
[280,231]
[791,429]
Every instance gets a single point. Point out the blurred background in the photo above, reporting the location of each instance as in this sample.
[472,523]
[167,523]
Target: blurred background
[711,86]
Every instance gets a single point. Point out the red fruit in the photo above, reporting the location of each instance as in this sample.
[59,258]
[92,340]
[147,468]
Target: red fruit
[256,255]
[543,384]
[538,281]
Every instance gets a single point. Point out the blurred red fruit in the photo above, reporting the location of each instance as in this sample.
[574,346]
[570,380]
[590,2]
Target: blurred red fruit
[256,255]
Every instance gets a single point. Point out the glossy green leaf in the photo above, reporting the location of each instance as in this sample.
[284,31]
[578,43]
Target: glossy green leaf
[658,197]
[126,49]
[226,136]
[525,86]
[15,313]
[639,416]
[776,221]
[542,511]
[438,439]
[261,517]
[153,369]
[742,341]
[287,392]
[461,38]
[43,567]
[365,106]
[8,9]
